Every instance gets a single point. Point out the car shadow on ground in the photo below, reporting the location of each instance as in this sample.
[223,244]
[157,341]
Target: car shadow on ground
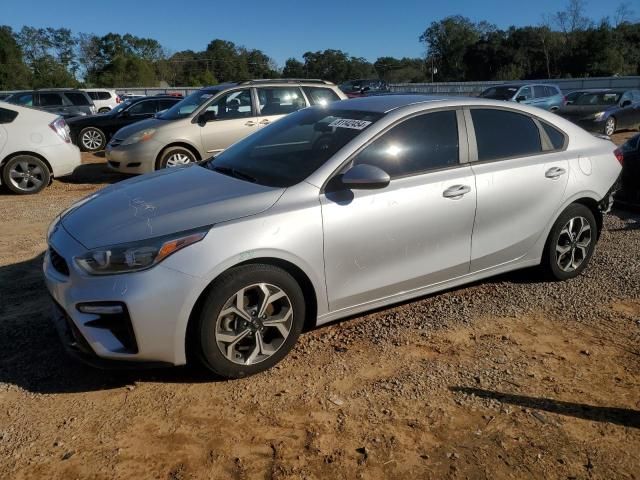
[32,356]
[93,174]
[619,416]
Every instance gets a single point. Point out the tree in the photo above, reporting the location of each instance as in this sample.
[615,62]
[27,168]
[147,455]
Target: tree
[624,14]
[293,69]
[14,73]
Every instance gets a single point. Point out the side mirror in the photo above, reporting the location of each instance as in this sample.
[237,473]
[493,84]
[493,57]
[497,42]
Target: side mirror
[520,98]
[626,103]
[365,177]
[205,117]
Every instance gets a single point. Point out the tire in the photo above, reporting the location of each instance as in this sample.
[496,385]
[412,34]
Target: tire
[174,157]
[568,254]
[610,126]
[104,110]
[249,346]
[92,139]
[26,174]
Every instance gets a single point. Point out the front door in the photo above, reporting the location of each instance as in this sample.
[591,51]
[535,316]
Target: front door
[414,232]
[235,118]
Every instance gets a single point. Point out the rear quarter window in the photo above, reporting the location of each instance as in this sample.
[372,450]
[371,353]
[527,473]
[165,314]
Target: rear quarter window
[7,116]
[320,96]
[504,134]
[556,137]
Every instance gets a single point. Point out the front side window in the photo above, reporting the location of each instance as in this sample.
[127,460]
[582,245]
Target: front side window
[77,98]
[280,100]
[289,150]
[143,108]
[188,105]
[504,134]
[50,100]
[598,98]
[419,144]
[7,116]
[526,93]
[320,96]
[236,104]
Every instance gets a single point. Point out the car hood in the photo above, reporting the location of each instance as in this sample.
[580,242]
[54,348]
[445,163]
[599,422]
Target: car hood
[162,203]
[134,128]
[583,110]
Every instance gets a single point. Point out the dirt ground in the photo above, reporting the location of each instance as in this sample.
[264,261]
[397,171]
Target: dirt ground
[514,377]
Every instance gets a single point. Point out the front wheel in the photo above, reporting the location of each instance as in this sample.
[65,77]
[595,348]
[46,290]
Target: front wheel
[251,319]
[25,174]
[610,126]
[175,157]
[571,242]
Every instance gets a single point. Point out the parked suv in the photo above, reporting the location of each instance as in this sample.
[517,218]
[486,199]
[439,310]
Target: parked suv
[209,120]
[91,133]
[104,100]
[66,102]
[544,96]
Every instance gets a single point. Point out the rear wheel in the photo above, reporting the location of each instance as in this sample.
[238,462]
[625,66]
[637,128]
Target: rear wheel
[571,242]
[92,139]
[104,110]
[610,126]
[25,174]
[175,157]
[251,319]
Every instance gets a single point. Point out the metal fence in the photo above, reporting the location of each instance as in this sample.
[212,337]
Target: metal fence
[475,88]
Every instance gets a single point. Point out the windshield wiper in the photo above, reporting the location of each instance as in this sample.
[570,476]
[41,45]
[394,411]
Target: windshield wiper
[232,172]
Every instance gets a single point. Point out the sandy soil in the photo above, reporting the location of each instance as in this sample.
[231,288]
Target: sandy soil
[515,377]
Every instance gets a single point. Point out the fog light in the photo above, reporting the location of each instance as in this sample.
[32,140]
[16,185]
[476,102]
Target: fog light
[98,309]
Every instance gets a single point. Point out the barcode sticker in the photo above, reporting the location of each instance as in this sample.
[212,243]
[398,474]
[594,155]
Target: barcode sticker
[349,123]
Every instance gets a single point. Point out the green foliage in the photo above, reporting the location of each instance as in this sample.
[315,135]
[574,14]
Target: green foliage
[14,73]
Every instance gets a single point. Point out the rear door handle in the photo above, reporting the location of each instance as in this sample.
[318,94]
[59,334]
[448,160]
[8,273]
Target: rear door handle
[555,172]
[250,123]
[264,122]
[457,191]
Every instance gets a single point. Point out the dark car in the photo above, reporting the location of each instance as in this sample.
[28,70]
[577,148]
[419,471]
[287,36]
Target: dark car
[66,102]
[630,178]
[604,111]
[94,132]
[363,87]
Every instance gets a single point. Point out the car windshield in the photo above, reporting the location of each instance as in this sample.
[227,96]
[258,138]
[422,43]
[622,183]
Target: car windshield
[500,93]
[601,98]
[288,151]
[120,107]
[188,105]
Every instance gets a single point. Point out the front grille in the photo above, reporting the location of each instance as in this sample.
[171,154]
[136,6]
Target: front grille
[58,262]
[114,164]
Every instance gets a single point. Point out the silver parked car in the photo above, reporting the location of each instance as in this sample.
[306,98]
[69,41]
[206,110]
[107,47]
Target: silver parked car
[331,211]
[209,120]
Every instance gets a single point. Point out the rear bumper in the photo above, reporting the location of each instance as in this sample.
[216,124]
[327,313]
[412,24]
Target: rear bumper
[64,158]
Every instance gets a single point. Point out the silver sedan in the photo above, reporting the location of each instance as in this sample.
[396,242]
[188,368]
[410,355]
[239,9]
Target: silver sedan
[328,212]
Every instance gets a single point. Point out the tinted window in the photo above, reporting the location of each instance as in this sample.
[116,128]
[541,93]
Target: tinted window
[78,98]
[7,116]
[233,105]
[143,108]
[539,91]
[499,93]
[320,96]
[22,99]
[104,96]
[503,134]
[50,99]
[93,95]
[422,143]
[289,150]
[555,135]
[280,100]
[526,93]
[166,103]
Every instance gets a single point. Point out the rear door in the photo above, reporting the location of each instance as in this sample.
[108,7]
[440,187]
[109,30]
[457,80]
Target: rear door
[233,117]
[521,176]
[540,97]
[626,114]
[276,102]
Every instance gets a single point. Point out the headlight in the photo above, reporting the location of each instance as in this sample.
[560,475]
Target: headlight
[142,136]
[598,116]
[135,256]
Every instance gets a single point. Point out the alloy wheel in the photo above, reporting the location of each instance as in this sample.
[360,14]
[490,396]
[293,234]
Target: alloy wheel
[254,323]
[26,175]
[91,139]
[610,126]
[573,244]
[178,159]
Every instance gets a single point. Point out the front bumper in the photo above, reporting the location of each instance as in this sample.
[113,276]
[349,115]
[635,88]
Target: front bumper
[158,301]
[136,159]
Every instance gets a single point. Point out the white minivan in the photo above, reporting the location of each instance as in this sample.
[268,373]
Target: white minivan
[35,147]
[104,99]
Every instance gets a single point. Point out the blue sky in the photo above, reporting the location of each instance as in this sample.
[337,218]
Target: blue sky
[281,28]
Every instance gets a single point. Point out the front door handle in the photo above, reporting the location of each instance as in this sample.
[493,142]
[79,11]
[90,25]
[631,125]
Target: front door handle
[457,191]
[264,122]
[555,172]
[250,123]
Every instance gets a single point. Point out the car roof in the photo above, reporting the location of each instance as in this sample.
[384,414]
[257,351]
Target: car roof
[386,103]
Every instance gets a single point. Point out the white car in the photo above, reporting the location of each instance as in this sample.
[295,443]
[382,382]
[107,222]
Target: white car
[104,99]
[35,147]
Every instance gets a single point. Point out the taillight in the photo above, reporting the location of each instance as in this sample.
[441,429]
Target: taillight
[619,155]
[61,128]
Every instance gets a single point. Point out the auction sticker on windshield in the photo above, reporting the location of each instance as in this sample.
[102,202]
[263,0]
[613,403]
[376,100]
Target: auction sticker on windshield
[350,123]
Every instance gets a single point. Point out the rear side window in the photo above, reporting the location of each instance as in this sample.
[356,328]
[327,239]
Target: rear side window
[143,108]
[504,134]
[166,103]
[50,100]
[104,95]
[23,99]
[556,136]
[539,91]
[320,96]
[422,143]
[7,116]
[77,98]
[280,100]
[93,95]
